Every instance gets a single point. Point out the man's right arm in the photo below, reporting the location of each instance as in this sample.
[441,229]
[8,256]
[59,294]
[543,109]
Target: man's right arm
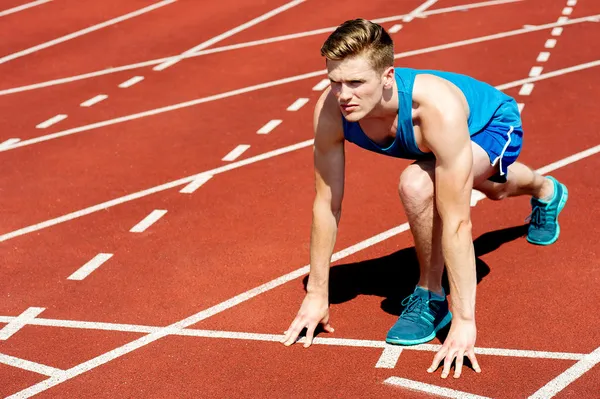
[329,187]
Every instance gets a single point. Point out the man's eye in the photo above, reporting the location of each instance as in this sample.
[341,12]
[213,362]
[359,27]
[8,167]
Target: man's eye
[356,82]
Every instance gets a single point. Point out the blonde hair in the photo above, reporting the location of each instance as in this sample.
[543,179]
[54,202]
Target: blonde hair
[358,37]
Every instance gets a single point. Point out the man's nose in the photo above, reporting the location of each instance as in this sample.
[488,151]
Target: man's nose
[345,93]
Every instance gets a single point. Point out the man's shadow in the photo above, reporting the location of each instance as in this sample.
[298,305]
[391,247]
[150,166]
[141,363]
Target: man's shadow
[393,277]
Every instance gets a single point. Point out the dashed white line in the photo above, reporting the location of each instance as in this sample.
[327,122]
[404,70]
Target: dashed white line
[148,221]
[23,7]
[521,107]
[572,3]
[131,82]
[28,365]
[322,85]
[195,184]
[567,11]
[543,56]
[89,267]
[19,322]
[299,103]
[536,71]
[389,357]
[563,19]
[85,31]
[556,31]
[51,121]
[9,142]
[94,100]
[550,43]
[236,152]
[394,29]
[433,389]
[526,89]
[266,129]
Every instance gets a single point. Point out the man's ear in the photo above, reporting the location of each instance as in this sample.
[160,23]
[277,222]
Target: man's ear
[388,78]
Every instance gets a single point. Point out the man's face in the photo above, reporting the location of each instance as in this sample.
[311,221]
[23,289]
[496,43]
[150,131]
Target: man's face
[356,85]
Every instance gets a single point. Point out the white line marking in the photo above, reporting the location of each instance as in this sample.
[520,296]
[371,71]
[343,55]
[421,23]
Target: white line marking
[94,100]
[23,7]
[395,29]
[389,357]
[567,377]
[148,221]
[236,152]
[131,82]
[536,71]
[19,322]
[433,389]
[521,107]
[529,26]
[419,10]
[299,103]
[89,267]
[563,19]
[268,128]
[557,31]
[567,11]
[85,31]
[476,196]
[229,33]
[28,365]
[543,56]
[572,3]
[239,164]
[9,142]
[195,184]
[322,85]
[50,122]
[526,89]
[288,37]
[550,43]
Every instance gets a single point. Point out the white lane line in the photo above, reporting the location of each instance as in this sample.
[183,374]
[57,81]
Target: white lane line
[419,10]
[131,82]
[28,365]
[23,7]
[501,35]
[89,267]
[229,33]
[567,11]
[521,107]
[50,122]
[236,152]
[557,31]
[395,29]
[94,100]
[296,105]
[550,43]
[567,377]
[268,128]
[148,221]
[543,56]
[19,322]
[347,342]
[85,31]
[433,389]
[9,142]
[563,19]
[536,71]
[195,184]
[572,3]
[389,357]
[526,89]
[322,85]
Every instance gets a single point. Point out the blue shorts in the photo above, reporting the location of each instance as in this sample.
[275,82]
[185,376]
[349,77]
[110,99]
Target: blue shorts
[502,142]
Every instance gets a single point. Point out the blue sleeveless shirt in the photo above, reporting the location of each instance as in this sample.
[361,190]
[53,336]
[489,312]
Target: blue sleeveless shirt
[484,101]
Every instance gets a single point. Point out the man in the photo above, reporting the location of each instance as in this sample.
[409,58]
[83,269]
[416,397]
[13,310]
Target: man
[463,134]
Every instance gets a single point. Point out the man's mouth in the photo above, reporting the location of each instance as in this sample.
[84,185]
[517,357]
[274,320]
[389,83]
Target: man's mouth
[348,107]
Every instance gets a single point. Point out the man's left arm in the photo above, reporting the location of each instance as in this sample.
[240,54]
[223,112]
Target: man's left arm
[442,116]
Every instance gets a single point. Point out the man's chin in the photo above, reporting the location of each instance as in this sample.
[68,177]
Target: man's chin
[352,116]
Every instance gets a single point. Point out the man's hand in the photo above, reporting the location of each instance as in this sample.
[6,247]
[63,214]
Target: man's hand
[314,311]
[460,342]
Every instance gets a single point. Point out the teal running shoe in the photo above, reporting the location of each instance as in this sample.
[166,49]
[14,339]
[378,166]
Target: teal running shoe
[543,221]
[424,314]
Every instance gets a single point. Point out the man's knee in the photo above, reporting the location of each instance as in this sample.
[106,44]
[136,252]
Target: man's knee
[494,191]
[416,184]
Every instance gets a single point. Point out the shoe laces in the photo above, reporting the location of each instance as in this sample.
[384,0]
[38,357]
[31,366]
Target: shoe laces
[535,217]
[414,305]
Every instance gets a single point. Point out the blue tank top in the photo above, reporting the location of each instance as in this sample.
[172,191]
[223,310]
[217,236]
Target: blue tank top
[484,101]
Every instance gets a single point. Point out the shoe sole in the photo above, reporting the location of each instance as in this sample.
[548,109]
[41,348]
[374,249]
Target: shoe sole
[428,338]
[561,205]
